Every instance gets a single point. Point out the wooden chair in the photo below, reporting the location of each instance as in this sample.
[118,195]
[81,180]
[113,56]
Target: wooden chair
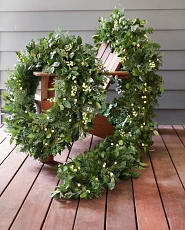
[101,127]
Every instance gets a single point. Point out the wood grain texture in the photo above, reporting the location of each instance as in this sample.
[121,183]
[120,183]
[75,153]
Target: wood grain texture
[101,127]
[147,200]
[3,135]
[179,129]
[38,200]
[34,19]
[175,148]
[28,194]
[62,157]
[10,167]
[12,199]
[170,187]
[62,213]
[5,149]
[95,140]
[91,214]
[120,207]
[79,147]
[101,50]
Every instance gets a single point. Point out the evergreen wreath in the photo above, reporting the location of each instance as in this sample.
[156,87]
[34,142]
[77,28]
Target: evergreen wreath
[76,104]
[79,94]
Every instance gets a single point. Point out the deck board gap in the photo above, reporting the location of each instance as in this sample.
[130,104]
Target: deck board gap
[7,155]
[2,140]
[68,157]
[13,175]
[91,143]
[179,135]
[159,192]
[76,213]
[133,195]
[184,146]
[105,216]
[47,211]
[25,196]
[172,158]
[50,204]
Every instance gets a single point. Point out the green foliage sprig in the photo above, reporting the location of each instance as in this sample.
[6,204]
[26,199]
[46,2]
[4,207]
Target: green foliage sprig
[91,172]
[131,113]
[79,94]
[140,56]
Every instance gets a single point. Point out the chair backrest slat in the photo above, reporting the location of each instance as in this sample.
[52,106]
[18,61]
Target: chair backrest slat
[101,50]
[111,61]
[113,64]
[108,62]
[105,54]
[116,64]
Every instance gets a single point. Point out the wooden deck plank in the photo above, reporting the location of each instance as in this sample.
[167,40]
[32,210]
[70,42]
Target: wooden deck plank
[170,187]
[5,149]
[91,214]
[3,135]
[64,154]
[9,168]
[80,146]
[95,140]
[148,204]
[180,132]
[38,200]
[120,207]
[175,148]
[13,197]
[28,193]
[63,213]
[61,158]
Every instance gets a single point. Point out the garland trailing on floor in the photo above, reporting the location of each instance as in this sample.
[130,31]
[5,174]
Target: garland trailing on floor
[80,95]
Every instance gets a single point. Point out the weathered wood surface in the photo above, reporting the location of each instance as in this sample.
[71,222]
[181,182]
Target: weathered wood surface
[156,200]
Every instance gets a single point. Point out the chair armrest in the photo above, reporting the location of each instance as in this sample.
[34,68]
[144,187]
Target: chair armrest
[117,74]
[42,74]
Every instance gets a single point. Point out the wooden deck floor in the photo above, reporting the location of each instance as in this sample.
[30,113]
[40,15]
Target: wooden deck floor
[154,201]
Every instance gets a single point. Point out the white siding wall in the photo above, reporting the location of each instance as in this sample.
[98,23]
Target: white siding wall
[21,20]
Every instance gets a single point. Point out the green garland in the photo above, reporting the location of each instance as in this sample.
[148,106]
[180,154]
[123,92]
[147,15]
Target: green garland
[141,58]
[42,134]
[79,94]
[119,155]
